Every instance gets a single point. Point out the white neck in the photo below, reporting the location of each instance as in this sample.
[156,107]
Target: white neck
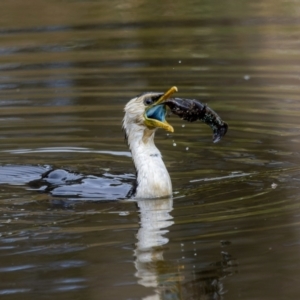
[153,179]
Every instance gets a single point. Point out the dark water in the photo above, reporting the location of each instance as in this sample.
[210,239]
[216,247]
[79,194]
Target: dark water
[232,228]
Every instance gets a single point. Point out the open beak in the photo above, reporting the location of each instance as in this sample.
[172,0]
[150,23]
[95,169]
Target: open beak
[155,115]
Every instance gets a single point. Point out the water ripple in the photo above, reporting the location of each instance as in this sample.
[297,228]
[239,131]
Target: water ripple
[67,149]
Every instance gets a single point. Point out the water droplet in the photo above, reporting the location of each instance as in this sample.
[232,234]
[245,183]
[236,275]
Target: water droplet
[179,61]
[183,125]
[174,144]
[187,148]
[246,77]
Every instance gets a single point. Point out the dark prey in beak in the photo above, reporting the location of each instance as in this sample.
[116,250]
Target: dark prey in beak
[192,110]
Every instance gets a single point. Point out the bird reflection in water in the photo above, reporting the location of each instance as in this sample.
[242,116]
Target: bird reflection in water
[172,279]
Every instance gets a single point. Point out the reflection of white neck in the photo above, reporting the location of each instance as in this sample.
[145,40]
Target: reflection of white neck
[154,218]
[153,179]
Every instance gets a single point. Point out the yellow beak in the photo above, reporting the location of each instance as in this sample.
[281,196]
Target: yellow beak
[159,112]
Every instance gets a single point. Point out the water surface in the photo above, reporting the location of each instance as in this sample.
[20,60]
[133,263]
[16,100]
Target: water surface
[231,230]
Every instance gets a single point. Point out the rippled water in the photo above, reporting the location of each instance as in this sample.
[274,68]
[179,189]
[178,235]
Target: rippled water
[231,230]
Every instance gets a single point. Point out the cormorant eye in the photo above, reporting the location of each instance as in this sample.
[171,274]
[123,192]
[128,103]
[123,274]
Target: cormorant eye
[148,101]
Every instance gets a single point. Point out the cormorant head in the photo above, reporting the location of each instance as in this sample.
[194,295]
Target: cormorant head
[149,110]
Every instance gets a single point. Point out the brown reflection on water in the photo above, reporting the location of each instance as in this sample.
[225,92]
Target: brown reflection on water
[172,279]
[68,68]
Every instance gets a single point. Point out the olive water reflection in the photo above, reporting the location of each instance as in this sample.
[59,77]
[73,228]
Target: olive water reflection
[67,70]
[178,279]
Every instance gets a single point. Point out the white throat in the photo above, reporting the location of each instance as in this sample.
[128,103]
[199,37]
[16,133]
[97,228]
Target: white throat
[153,179]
